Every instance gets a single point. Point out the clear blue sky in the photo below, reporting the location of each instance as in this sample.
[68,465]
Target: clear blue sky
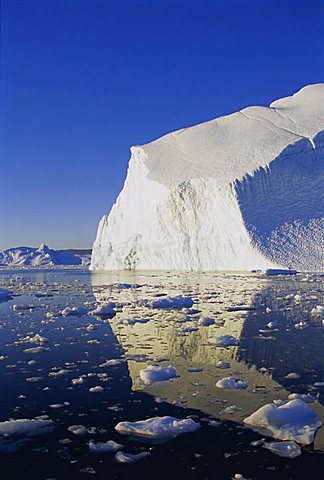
[83,80]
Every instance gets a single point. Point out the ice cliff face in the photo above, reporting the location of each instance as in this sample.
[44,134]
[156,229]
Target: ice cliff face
[240,192]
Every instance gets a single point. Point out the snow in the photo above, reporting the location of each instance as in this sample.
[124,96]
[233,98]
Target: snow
[40,256]
[158,427]
[155,373]
[294,420]
[240,192]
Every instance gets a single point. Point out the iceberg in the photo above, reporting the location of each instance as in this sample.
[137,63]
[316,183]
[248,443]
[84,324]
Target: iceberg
[240,192]
[41,256]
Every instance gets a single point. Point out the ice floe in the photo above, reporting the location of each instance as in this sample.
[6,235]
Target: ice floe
[155,373]
[158,427]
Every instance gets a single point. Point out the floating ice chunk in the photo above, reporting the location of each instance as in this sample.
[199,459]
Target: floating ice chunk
[173,303]
[231,383]
[59,373]
[112,362]
[104,310]
[273,324]
[305,397]
[222,364]
[318,310]
[292,376]
[277,271]
[38,339]
[206,321]
[231,409]
[74,311]
[132,321]
[187,329]
[97,389]
[25,427]
[122,457]
[288,449]
[77,381]
[292,421]
[155,373]
[36,350]
[158,427]
[224,341]
[103,447]
[78,429]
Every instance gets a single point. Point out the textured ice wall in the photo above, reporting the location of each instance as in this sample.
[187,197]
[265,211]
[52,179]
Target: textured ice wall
[236,193]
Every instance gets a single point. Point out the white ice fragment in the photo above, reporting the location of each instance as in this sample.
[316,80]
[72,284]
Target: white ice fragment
[288,449]
[292,376]
[104,310]
[222,364]
[231,383]
[25,427]
[206,321]
[225,341]
[103,447]
[74,311]
[97,389]
[294,420]
[122,457]
[172,303]
[158,427]
[155,373]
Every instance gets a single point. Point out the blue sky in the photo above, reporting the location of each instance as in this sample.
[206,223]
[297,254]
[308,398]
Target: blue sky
[83,80]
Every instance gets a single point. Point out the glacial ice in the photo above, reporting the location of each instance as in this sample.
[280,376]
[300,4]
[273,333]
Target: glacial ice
[240,192]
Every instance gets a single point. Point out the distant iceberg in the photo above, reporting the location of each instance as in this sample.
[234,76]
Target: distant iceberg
[41,256]
[241,192]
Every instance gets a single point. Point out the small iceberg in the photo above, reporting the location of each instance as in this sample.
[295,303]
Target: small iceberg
[231,383]
[158,427]
[155,373]
[294,420]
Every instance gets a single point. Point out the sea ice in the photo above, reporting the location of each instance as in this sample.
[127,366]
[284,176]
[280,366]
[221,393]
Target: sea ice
[173,303]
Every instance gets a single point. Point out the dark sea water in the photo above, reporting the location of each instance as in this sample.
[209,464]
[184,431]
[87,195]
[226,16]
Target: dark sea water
[78,345]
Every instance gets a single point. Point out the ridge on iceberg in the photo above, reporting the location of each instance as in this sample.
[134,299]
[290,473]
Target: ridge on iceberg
[240,192]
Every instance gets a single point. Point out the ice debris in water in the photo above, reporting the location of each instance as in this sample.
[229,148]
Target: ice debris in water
[206,321]
[105,309]
[288,449]
[222,364]
[74,311]
[37,339]
[231,383]
[155,373]
[103,447]
[172,303]
[158,427]
[15,433]
[318,310]
[225,341]
[122,457]
[97,389]
[292,421]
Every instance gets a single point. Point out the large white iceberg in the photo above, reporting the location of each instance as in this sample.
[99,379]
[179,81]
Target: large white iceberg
[241,192]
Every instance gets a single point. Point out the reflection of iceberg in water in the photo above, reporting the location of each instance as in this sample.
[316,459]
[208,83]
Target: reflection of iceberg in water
[192,353]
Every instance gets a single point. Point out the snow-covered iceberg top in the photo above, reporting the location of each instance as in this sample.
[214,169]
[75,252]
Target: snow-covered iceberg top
[240,192]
